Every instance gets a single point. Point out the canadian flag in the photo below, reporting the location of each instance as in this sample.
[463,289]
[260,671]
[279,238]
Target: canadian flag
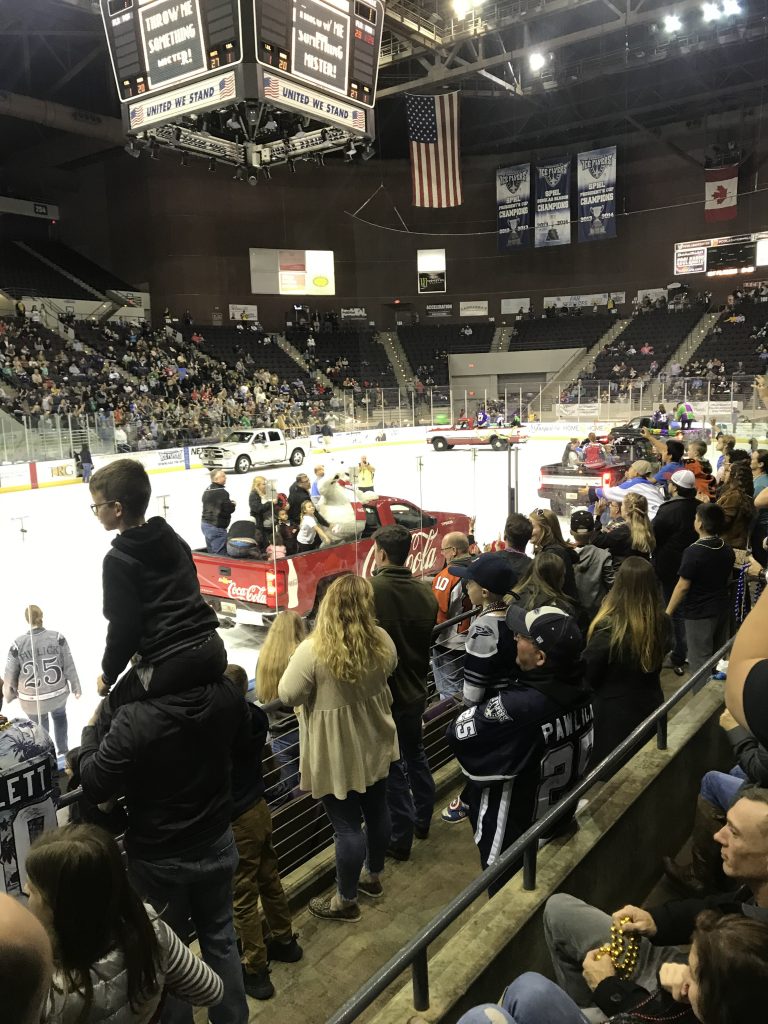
[721,192]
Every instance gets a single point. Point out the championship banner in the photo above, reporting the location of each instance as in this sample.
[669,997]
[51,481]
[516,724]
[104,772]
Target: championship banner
[596,183]
[513,207]
[553,204]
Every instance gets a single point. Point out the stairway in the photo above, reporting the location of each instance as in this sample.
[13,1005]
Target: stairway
[501,338]
[684,351]
[579,362]
[59,270]
[397,358]
[298,358]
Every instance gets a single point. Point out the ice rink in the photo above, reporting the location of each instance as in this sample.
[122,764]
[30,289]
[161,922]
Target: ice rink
[56,562]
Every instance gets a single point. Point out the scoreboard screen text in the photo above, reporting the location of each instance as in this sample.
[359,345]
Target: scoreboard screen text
[158,43]
[331,44]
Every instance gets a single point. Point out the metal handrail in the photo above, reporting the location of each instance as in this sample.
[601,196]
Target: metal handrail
[414,953]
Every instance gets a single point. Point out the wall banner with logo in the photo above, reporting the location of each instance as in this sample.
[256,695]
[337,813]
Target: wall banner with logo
[513,207]
[513,307]
[438,309]
[432,281]
[353,313]
[475,307]
[596,185]
[553,202]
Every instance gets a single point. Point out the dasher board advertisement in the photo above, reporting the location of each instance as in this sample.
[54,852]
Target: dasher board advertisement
[162,43]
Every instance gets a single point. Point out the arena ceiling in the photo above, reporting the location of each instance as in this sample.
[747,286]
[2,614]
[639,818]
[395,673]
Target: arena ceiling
[608,68]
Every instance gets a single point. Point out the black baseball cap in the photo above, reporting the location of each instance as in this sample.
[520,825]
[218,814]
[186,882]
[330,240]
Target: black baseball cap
[582,521]
[549,628]
[493,571]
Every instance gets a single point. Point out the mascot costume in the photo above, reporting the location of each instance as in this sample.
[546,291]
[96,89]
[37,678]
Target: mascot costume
[340,505]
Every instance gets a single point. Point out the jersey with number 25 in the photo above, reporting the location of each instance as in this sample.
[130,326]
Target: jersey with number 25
[540,736]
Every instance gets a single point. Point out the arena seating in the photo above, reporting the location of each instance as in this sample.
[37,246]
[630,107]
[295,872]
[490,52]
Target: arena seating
[428,346]
[739,340]
[22,274]
[80,266]
[367,362]
[559,332]
[663,330]
[229,344]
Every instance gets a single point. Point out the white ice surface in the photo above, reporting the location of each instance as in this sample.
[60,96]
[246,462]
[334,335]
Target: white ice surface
[56,564]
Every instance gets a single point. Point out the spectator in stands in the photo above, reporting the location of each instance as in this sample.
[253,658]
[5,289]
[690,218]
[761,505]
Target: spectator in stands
[574,930]
[626,644]
[298,494]
[338,676]
[452,600]
[674,531]
[594,570]
[26,963]
[546,535]
[41,673]
[506,738]
[632,534]
[217,513]
[114,959]
[737,502]
[517,535]
[703,586]
[285,634]
[407,609]
[725,978]
[490,649]
[542,584]
[257,875]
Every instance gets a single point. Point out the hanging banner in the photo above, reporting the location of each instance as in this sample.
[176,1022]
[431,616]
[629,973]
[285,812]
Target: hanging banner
[438,309]
[596,184]
[553,205]
[513,207]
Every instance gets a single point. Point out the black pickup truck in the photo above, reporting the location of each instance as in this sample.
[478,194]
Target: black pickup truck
[564,485]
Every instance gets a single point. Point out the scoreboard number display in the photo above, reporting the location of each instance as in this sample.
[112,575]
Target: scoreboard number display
[155,44]
[331,44]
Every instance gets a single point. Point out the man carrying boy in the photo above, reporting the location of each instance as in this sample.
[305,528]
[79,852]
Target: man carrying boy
[703,586]
[166,737]
[256,875]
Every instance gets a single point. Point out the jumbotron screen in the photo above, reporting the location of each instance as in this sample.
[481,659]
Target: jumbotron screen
[155,44]
[331,44]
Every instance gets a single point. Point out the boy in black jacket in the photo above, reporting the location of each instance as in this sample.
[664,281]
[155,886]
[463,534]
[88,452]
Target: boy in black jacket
[152,600]
[257,874]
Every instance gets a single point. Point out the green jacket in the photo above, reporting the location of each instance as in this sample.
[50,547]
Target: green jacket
[407,609]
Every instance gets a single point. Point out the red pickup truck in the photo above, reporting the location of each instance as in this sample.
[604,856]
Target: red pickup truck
[252,592]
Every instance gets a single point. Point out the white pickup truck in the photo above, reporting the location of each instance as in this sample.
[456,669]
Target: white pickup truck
[247,448]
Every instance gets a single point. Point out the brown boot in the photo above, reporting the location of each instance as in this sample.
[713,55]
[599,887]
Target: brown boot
[704,874]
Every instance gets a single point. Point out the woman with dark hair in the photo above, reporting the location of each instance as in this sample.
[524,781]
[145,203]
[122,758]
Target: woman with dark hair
[542,584]
[724,982]
[737,502]
[113,957]
[547,536]
[626,644]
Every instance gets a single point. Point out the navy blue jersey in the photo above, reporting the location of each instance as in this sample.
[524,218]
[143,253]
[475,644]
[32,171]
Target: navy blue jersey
[539,738]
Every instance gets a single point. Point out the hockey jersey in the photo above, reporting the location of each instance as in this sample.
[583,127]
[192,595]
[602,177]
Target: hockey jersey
[40,668]
[537,735]
[490,658]
[451,601]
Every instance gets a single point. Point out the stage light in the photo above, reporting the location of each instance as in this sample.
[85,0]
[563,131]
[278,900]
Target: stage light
[672,23]
[536,61]
[710,12]
[461,8]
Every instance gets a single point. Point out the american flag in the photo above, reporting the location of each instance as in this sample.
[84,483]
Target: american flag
[271,87]
[433,133]
[227,87]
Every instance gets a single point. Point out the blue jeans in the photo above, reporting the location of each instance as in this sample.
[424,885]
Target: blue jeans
[410,787]
[87,470]
[680,649]
[448,670]
[285,749]
[197,886]
[533,999]
[720,789]
[215,538]
[59,717]
[353,849]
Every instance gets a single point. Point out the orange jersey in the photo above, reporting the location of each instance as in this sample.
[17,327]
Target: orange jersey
[451,601]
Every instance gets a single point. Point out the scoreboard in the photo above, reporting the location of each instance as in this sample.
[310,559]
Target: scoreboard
[155,44]
[332,45]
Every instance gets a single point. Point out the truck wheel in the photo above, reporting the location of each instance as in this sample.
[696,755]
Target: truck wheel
[440,444]
[297,457]
[558,505]
[243,464]
[498,443]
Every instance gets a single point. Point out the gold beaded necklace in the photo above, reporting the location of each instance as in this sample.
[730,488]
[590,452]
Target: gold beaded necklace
[622,949]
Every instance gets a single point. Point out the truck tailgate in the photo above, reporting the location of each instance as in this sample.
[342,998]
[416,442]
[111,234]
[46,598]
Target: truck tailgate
[233,580]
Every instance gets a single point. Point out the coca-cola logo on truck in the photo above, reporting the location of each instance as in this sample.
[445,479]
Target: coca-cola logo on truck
[423,556]
[254,594]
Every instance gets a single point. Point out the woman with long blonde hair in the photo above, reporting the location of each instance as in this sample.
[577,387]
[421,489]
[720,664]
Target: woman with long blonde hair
[626,645]
[347,736]
[632,535]
[287,631]
[259,504]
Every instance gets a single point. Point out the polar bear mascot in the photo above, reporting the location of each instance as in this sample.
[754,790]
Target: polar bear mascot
[346,520]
